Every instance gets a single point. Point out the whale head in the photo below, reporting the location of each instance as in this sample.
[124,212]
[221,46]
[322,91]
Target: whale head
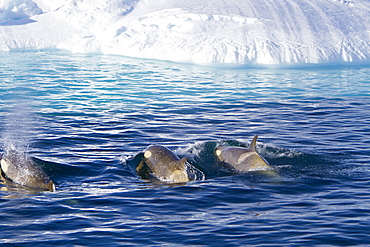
[165,165]
[20,169]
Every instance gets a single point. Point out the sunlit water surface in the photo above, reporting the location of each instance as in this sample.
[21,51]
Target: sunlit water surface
[83,116]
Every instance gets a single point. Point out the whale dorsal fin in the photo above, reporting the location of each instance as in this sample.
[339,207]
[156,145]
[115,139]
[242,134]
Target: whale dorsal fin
[252,146]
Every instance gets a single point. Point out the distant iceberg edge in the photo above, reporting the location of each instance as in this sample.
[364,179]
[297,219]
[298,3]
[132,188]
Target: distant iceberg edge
[226,33]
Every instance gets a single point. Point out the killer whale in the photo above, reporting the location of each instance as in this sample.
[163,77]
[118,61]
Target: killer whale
[18,168]
[243,159]
[162,164]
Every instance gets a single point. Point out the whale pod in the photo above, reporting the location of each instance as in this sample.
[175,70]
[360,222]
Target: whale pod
[20,169]
[162,164]
[243,159]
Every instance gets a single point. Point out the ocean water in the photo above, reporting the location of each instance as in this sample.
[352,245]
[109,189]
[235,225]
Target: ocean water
[84,118]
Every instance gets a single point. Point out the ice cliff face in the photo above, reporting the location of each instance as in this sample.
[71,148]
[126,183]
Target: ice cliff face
[217,32]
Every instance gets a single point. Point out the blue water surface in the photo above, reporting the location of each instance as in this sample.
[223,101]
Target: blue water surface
[82,117]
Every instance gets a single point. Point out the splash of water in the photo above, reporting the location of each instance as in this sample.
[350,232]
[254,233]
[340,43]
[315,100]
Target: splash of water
[19,127]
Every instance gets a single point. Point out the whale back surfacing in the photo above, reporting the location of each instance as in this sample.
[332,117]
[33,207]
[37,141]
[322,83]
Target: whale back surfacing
[243,159]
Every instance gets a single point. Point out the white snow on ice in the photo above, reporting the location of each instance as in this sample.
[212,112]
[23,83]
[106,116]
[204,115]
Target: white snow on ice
[213,32]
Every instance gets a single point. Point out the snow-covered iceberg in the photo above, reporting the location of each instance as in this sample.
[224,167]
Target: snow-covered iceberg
[216,32]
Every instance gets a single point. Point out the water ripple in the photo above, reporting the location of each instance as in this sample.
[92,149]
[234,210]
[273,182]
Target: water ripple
[83,116]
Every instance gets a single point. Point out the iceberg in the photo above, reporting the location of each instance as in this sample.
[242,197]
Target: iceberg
[17,10]
[209,32]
